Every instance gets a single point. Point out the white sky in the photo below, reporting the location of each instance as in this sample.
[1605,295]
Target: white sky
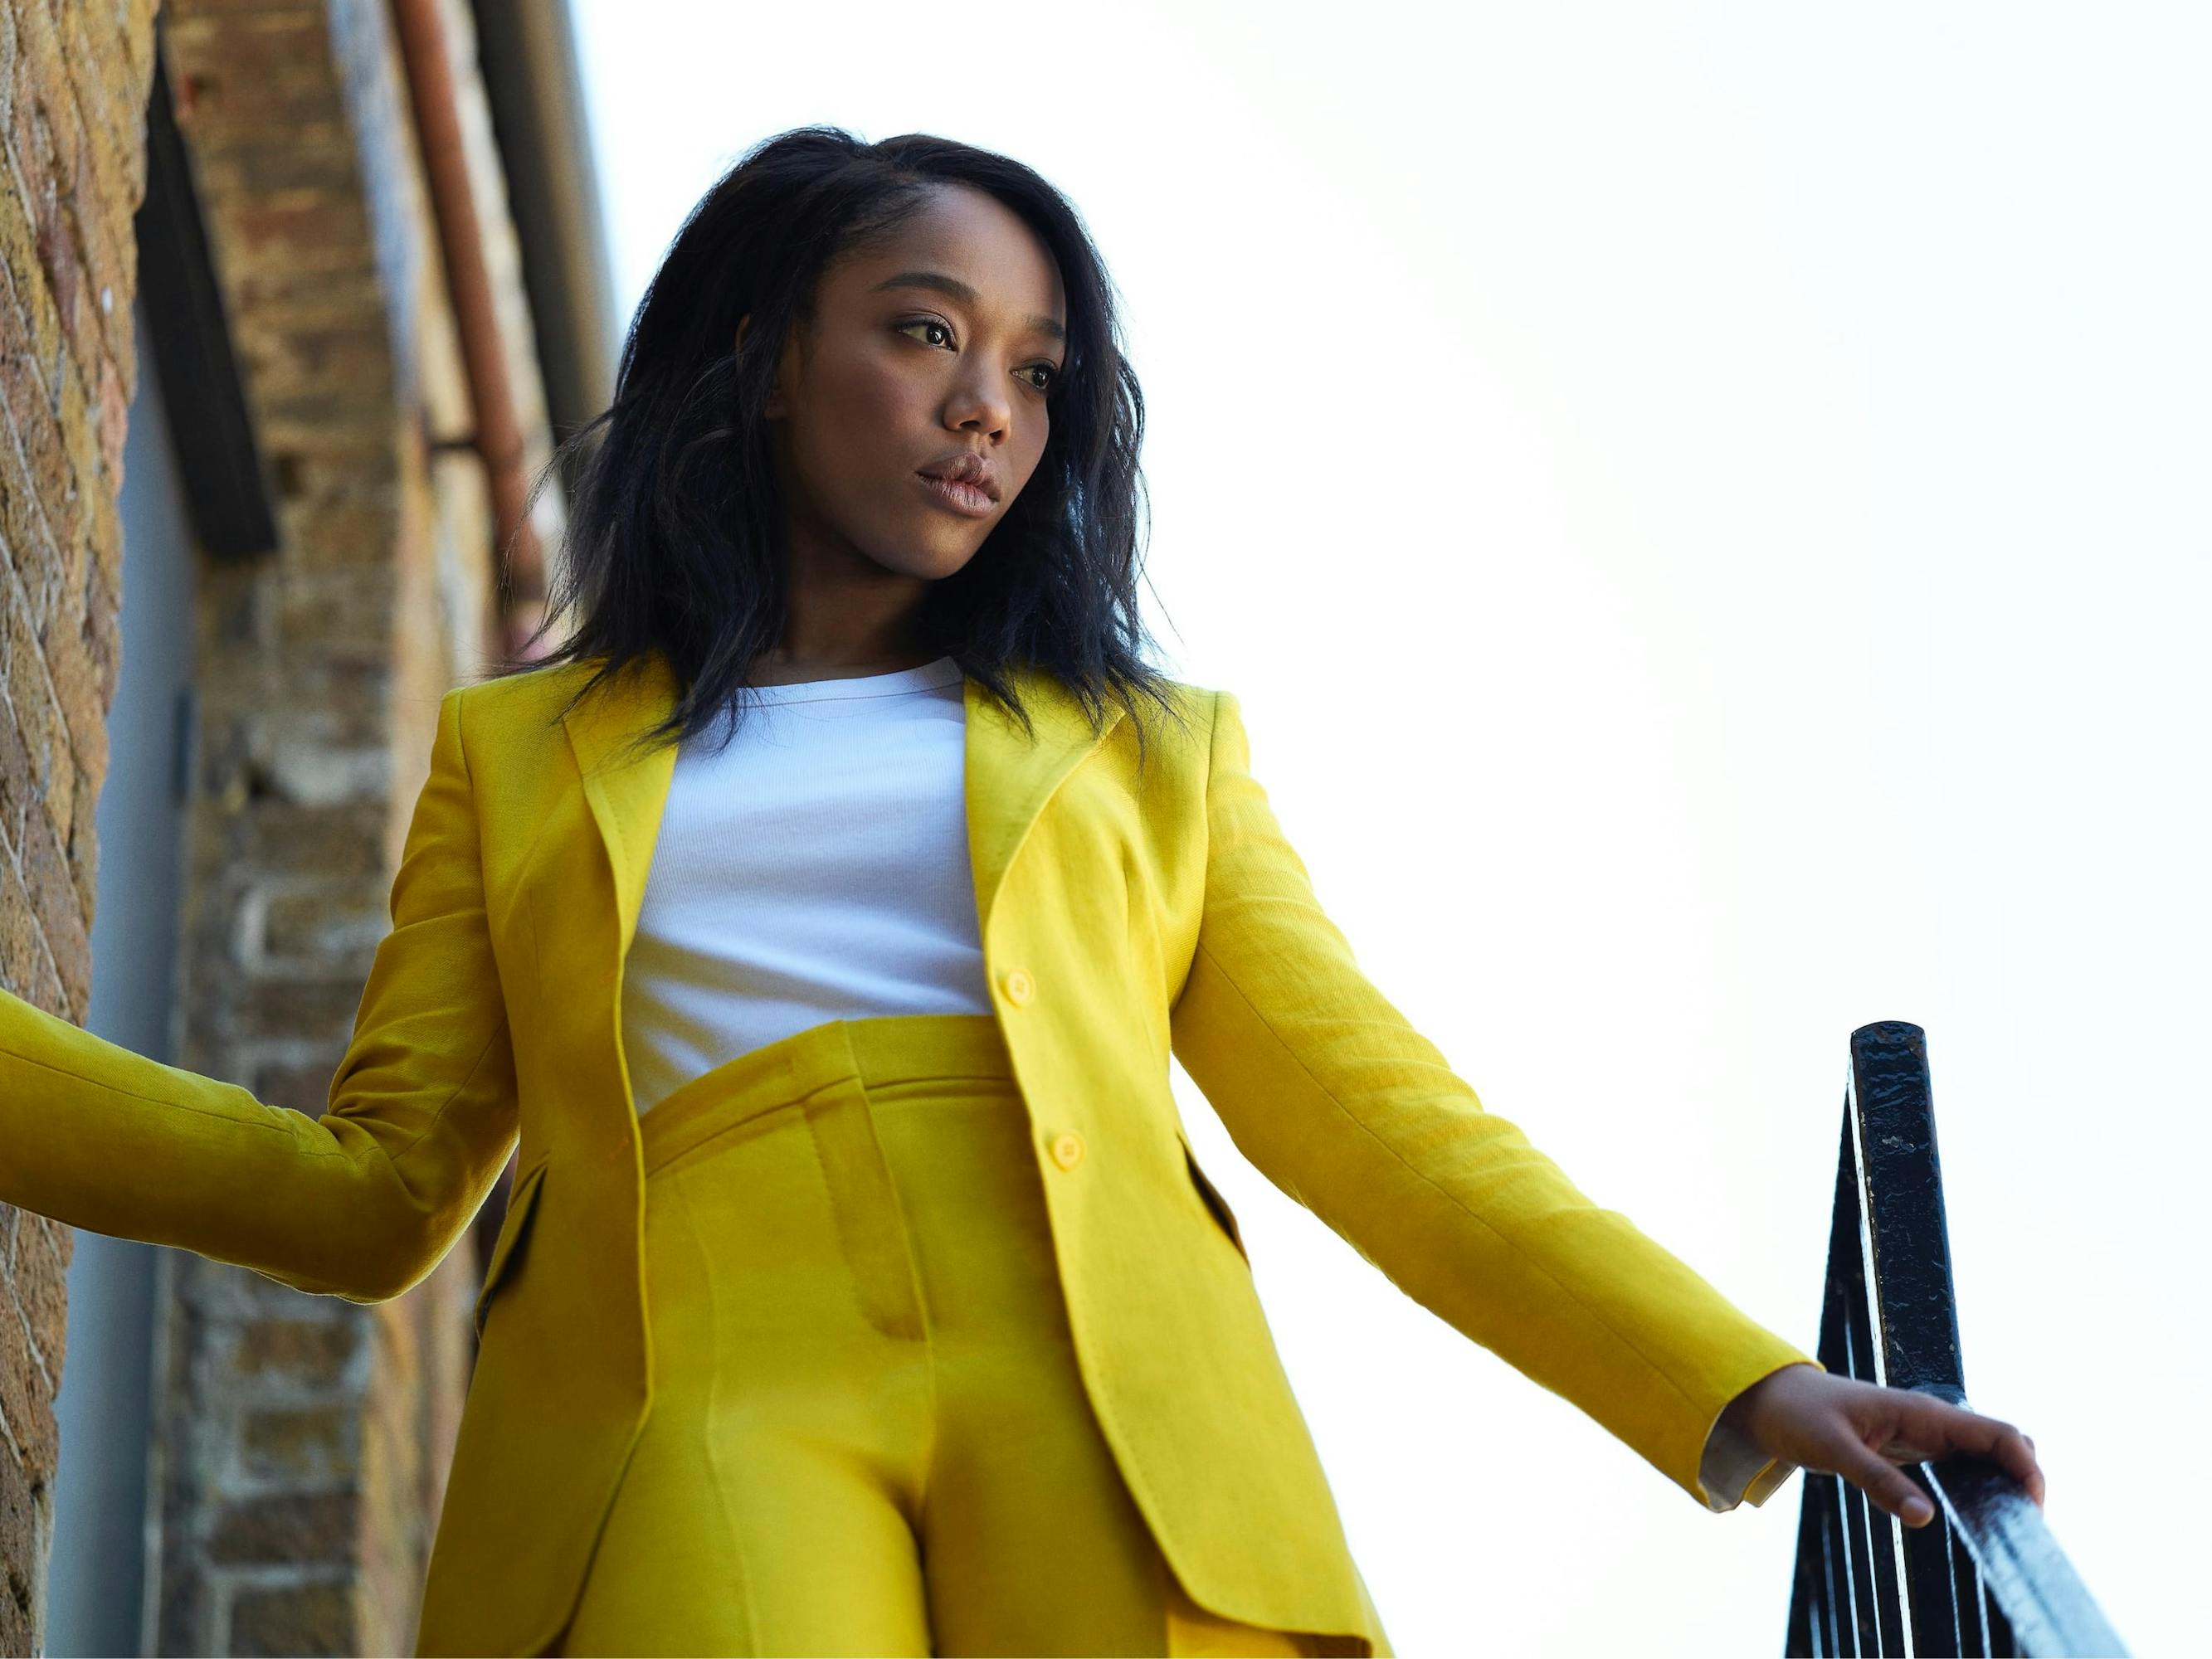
[1772,602]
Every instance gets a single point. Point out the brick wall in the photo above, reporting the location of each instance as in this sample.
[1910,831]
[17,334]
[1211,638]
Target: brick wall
[72,110]
[300,1441]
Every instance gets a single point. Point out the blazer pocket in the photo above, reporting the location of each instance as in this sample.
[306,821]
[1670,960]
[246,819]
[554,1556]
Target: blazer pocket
[520,1207]
[1223,1215]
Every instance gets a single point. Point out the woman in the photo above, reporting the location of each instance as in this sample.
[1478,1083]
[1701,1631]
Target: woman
[820,918]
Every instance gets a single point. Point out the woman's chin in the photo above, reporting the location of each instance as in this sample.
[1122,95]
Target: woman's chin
[929,554]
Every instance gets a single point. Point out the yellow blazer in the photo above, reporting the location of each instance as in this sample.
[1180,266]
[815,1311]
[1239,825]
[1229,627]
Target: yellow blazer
[1121,919]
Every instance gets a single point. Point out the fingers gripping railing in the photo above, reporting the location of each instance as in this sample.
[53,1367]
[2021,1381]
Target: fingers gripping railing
[1985,1577]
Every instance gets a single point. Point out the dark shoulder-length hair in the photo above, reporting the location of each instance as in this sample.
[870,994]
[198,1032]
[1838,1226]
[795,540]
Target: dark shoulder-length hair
[677,535]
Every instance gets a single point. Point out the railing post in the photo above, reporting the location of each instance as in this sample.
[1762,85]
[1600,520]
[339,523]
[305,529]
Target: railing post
[1985,1577]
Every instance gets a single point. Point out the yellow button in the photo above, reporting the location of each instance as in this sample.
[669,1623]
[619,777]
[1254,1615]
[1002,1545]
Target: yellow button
[1067,1150]
[1018,985]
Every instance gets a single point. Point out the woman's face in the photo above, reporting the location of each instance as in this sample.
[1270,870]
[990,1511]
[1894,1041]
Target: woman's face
[935,344]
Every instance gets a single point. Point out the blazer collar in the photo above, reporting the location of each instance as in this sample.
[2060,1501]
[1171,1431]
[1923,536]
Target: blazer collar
[1009,778]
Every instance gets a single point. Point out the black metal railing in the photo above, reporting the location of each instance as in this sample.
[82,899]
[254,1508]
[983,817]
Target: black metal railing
[1985,1577]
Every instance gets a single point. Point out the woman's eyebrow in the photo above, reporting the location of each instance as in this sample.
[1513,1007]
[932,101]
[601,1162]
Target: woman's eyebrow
[960,291]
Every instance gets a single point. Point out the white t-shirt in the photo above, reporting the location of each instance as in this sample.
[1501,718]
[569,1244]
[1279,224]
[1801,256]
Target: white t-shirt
[817,868]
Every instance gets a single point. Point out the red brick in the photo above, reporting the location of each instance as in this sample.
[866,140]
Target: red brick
[62,1238]
[38,564]
[31,405]
[78,680]
[307,1353]
[26,1400]
[311,1618]
[103,644]
[48,736]
[287,1526]
[53,893]
[19,781]
[61,794]
[298,1009]
[83,854]
[105,534]
[47,991]
[114,404]
[57,245]
[309,1443]
[78,432]
[22,1502]
[42,1287]
[22,520]
[319,233]
[265,41]
[22,953]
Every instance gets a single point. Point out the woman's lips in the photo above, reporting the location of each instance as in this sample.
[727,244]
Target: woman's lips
[963,498]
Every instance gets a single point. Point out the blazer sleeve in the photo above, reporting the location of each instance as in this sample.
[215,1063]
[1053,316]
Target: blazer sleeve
[361,1202]
[1334,1097]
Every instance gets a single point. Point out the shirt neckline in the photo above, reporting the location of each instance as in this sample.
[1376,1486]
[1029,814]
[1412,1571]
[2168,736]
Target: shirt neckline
[929,676]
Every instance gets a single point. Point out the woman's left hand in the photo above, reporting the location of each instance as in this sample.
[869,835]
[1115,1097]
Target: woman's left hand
[1862,1431]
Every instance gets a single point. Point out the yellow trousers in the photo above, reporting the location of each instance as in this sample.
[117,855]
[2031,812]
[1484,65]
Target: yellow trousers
[868,1433]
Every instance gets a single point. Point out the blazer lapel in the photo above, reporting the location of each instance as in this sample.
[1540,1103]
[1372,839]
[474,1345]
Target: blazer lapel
[626,790]
[1008,778]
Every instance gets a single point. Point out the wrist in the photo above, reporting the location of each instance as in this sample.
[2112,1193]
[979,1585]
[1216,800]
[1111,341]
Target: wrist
[1743,1413]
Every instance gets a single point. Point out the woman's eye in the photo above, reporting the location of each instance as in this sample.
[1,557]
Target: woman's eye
[1051,376]
[928,322]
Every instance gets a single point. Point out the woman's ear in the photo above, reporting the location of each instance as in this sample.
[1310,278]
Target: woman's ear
[776,396]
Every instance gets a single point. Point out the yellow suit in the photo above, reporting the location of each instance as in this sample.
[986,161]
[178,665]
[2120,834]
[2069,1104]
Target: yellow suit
[1122,917]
